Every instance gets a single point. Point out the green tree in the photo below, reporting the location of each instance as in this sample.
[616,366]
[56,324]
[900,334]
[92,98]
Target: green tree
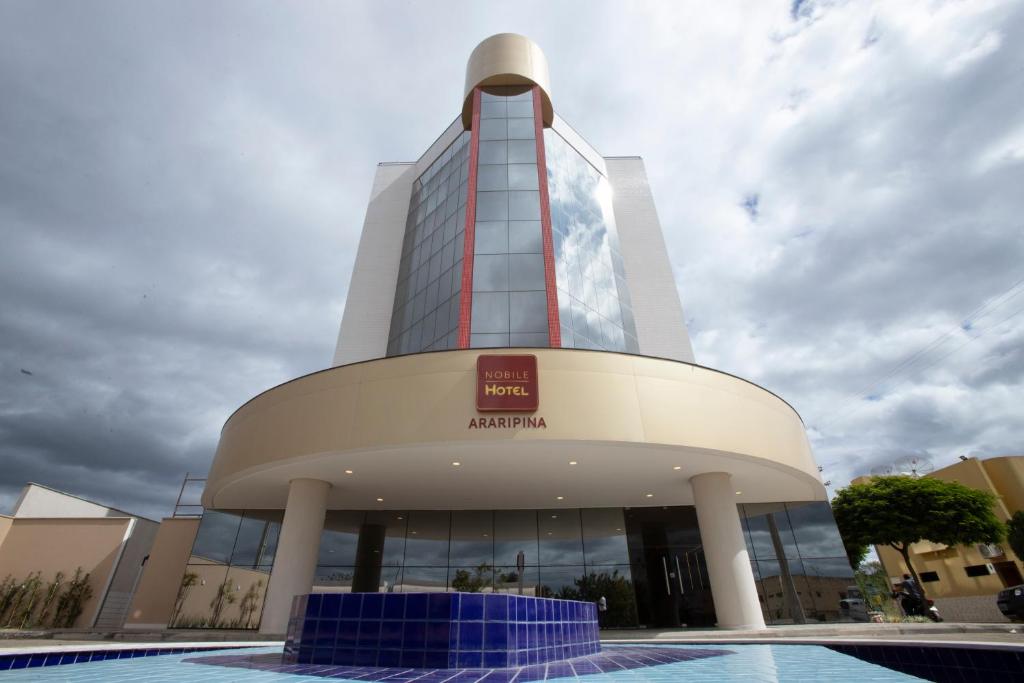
[1015,533]
[464,582]
[900,511]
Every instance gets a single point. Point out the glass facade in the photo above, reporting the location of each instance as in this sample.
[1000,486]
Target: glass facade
[426,310]
[509,299]
[226,578]
[648,563]
[799,562]
[594,307]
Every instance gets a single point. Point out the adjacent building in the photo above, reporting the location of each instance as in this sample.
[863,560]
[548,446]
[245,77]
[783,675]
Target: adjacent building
[513,406]
[964,580]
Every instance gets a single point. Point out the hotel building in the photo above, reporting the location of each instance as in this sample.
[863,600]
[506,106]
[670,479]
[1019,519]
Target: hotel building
[514,405]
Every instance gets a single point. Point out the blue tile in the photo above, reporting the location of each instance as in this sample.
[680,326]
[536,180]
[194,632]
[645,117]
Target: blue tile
[313,605]
[373,606]
[438,635]
[394,606]
[470,660]
[435,659]
[348,633]
[439,606]
[415,635]
[369,633]
[390,657]
[344,656]
[366,657]
[531,609]
[391,634]
[472,607]
[495,635]
[471,635]
[351,605]
[330,605]
[496,659]
[322,655]
[496,607]
[412,658]
[416,606]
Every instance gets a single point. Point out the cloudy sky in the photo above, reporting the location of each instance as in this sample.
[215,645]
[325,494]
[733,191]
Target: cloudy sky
[182,185]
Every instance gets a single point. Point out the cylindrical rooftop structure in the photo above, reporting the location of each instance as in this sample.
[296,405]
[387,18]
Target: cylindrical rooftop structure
[507,59]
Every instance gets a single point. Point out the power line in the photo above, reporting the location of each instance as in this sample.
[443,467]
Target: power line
[907,362]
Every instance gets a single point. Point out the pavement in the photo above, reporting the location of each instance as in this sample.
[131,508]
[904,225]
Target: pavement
[953,633]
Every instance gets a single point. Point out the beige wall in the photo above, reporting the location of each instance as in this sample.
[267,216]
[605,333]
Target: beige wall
[1007,475]
[668,420]
[154,598]
[5,526]
[53,545]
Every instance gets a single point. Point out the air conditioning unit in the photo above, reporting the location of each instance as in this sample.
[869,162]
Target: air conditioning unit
[989,550]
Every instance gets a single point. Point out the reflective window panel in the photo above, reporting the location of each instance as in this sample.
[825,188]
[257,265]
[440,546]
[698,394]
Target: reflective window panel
[594,302]
[425,312]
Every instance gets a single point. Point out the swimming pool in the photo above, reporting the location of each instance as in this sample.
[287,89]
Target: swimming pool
[709,662]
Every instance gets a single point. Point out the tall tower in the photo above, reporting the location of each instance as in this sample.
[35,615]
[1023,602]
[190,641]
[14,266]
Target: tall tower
[511,231]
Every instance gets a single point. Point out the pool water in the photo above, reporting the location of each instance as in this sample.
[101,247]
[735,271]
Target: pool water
[713,662]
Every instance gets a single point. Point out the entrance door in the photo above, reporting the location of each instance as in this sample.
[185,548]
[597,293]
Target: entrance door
[669,570]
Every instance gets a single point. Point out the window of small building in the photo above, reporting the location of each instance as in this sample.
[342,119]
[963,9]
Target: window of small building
[976,570]
[929,577]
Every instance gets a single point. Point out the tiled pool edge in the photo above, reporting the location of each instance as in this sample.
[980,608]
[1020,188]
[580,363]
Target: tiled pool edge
[76,654]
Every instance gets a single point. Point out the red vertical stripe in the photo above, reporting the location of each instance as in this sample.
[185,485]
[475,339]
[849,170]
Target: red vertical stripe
[466,298]
[554,329]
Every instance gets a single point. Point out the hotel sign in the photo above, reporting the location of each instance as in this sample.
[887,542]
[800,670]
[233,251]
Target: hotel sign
[507,384]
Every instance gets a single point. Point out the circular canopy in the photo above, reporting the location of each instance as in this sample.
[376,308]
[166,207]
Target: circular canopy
[637,428]
[507,59]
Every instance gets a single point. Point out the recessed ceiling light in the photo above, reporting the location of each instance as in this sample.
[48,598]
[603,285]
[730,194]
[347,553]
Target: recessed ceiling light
[348,471]
[380,500]
[739,492]
[618,529]
[456,463]
[399,517]
[677,467]
[560,497]
[649,495]
[549,533]
[572,462]
[413,533]
[554,516]
[485,535]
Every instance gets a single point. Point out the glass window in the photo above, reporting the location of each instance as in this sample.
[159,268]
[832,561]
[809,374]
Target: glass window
[515,531]
[507,579]
[493,110]
[257,538]
[525,272]
[520,152]
[215,538]
[528,312]
[494,129]
[524,237]
[490,274]
[561,582]
[490,312]
[494,151]
[394,539]
[815,529]
[560,536]
[472,537]
[424,580]
[530,340]
[521,177]
[427,541]
[524,206]
[492,177]
[520,109]
[488,341]
[491,237]
[492,206]
[604,536]
[518,129]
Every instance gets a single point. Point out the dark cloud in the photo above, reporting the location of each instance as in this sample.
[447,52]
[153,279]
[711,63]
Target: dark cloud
[182,187]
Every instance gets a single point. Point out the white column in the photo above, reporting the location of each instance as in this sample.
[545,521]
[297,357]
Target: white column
[297,550]
[732,579]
